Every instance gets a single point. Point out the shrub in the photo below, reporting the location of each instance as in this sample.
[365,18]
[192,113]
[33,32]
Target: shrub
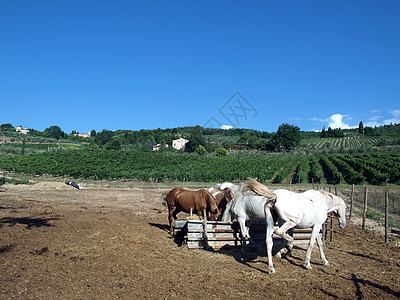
[221,151]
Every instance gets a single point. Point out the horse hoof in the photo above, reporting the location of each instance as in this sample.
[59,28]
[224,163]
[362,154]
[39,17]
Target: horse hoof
[278,255]
[271,271]
[326,263]
[308,267]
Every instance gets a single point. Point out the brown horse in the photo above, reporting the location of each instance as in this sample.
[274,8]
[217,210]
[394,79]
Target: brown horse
[179,199]
[222,198]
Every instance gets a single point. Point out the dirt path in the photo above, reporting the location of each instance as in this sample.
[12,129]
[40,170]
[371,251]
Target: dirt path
[57,242]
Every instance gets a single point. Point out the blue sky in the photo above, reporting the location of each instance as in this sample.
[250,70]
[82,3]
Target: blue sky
[124,64]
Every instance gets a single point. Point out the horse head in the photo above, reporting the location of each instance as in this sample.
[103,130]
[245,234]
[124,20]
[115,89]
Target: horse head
[338,209]
[222,199]
[228,194]
[341,213]
[212,206]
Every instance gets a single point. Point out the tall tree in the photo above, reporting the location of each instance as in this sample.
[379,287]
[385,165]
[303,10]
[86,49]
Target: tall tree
[287,136]
[196,139]
[323,132]
[6,126]
[361,128]
[54,132]
[103,137]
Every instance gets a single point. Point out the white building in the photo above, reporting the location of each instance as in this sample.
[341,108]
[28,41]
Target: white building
[85,135]
[157,147]
[19,129]
[179,143]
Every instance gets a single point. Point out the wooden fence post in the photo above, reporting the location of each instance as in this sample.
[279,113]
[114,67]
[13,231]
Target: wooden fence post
[365,207]
[205,229]
[351,201]
[386,217]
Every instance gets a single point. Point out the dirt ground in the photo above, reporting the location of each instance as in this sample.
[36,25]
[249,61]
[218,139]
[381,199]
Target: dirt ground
[57,242]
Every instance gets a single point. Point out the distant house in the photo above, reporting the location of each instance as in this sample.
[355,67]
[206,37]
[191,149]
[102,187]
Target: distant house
[84,135]
[157,147]
[179,143]
[19,129]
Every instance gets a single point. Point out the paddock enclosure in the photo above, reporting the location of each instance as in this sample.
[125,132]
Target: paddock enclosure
[57,242]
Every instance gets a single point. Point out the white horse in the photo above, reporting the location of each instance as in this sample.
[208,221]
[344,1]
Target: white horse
[300,210]
[245,207]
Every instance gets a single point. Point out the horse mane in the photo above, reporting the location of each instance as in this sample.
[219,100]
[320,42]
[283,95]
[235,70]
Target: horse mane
[254,186]
[335,199]
[206,194]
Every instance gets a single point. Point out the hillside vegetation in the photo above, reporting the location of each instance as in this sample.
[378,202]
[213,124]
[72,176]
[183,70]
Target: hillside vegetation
[361,168]
[210,155]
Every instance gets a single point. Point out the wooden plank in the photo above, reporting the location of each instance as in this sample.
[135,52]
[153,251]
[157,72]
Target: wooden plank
[220,234]
[199,244]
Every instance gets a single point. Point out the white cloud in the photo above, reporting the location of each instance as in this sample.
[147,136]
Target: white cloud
[336,121]
[226,127]
[372,124]
[394,120]
[375,118]
[320,120]
[391,121]
[395,113]
[373,111]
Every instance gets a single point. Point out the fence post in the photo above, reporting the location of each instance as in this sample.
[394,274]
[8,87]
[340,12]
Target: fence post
[205,229]
[351,200]
[365,207]
[386,217]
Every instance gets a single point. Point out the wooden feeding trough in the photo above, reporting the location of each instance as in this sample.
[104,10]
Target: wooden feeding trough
[203,234]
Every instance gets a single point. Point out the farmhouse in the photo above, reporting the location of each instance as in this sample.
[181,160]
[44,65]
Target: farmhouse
[19,129]
[85,135]
[179,143]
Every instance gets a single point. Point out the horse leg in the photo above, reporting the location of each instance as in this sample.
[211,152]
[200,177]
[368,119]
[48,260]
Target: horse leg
[170,219]
[281,231]
[243,232]
[284,245]
[314,233]
[270,245]
[248,237]
[321,250]
[200,214]
[172,216]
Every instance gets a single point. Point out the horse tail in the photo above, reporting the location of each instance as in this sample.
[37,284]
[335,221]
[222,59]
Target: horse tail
[164,198]
[259,189]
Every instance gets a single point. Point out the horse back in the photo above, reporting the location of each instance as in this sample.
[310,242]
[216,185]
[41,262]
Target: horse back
[186,200]
[172,196]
